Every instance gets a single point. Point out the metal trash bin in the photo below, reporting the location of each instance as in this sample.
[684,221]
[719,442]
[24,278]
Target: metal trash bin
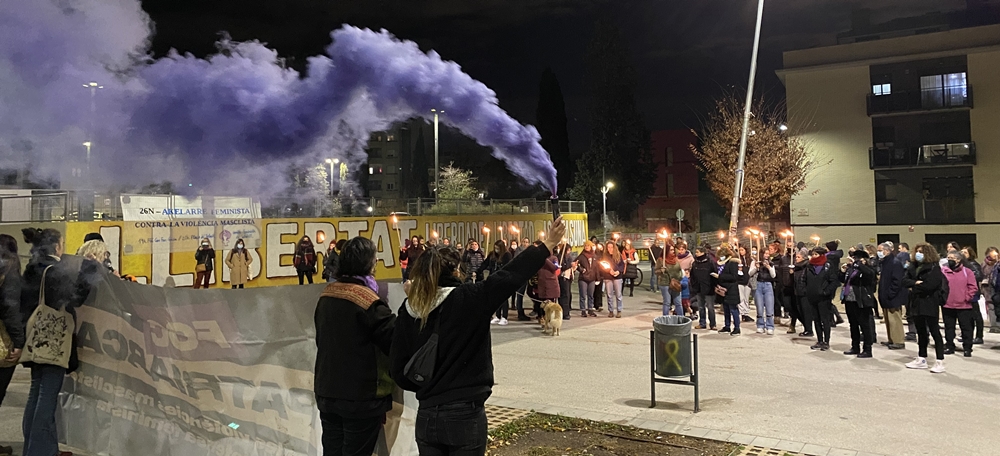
[672,342]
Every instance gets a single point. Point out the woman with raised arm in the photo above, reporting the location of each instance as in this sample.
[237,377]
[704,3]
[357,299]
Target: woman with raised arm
[441,347]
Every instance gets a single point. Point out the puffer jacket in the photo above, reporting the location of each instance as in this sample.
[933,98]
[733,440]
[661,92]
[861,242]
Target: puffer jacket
[702,281]
[548,279]
[924,297]
[730,272]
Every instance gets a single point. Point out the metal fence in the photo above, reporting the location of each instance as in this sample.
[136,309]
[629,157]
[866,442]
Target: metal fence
[59,206]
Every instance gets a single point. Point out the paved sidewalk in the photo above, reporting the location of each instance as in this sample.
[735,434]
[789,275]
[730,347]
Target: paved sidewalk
[770,391]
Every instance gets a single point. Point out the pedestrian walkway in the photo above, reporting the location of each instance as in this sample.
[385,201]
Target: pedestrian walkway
[757,390]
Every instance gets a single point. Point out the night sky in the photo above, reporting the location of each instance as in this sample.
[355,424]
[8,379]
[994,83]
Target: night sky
[685,52]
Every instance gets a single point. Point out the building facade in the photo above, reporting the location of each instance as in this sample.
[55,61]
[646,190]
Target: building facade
[907,132]
[392,162]
[676,184]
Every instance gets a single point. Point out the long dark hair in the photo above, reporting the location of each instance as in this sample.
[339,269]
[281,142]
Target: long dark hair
[246,254]
[426,273]
[9,261]
[357,258]
[44,242]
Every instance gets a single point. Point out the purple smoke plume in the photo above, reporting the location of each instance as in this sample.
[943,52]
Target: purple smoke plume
[228,122]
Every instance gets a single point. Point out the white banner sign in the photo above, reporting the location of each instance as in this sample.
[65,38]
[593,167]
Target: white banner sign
[172,207]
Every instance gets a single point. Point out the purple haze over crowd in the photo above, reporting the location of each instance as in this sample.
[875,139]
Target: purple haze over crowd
[230,123]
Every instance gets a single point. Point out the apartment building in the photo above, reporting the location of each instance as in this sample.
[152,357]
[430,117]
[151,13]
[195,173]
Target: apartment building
[909,124]
[393,166]
[676,184]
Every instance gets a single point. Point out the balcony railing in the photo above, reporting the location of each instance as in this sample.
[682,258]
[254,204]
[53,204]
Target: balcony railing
[959,154]
[920,100]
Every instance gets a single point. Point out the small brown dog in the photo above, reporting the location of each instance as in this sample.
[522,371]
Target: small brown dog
[552,321]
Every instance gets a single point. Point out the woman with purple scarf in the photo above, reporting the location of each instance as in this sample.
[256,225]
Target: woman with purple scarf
[354,329]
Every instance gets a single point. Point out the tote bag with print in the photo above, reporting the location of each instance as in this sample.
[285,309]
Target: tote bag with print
[49,334]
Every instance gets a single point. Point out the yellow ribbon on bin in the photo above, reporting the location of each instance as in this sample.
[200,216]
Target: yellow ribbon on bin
[671,348]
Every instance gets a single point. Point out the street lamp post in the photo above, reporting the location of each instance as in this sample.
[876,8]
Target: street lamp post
[604,211]
[734,217]
[437,165]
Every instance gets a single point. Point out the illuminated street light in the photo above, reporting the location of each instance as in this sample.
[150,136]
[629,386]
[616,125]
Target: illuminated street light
[604,212]
[437,164]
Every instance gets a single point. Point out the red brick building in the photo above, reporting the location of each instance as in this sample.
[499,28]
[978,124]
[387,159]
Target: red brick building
[676,183]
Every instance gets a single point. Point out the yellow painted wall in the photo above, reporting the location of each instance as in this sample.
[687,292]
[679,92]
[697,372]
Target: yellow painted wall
[984,78]
[272,261]
[828,110]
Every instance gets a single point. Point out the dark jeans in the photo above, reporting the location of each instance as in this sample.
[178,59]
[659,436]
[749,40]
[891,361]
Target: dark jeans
[304,275]
[862,322]
[732,315]
[6,373]
[977,317]
[519,300]
[201,279]
[39,423]
[349,436]
[823,310]
[805,313]
[927,325]
[452,429]
[504,310]
[966,320]
[706,309]
[565,296]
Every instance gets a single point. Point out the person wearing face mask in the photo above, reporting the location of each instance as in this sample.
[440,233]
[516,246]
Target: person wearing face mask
[702,288]
[821,286]
[962,291]
[238,261]
[305,260]
[859,281]
[891,295]
[204,264]
[928,291]
[989,287]
[727,274]
[971,264]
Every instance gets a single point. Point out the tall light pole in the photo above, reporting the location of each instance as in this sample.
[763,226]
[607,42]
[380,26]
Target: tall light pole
[437,166]
[734,218]
[332,162]
[604,211]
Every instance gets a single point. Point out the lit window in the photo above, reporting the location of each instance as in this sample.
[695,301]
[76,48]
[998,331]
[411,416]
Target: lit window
[881,89]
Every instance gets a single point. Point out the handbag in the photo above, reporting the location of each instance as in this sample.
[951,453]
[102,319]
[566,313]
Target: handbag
[675,285]
[420,368]
[201,268]
[49,334]
[720,290]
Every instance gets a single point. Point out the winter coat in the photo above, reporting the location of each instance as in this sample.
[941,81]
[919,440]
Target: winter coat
[589,267]
[655,252]
[471,261]
[761,273]
[331,262]
[962,288]
[891,293]
[305,259]
[687,262]
[821,285]
[975,269]
[702,281]
[925,298]
[730,273]
[859,283]
[463,371]
[548,279]
[205,257]
[410,254]
[667,272]
[783,274]
[988,273]
[353,337]
[10,304]
[494,263]
[239,267]
[799,278]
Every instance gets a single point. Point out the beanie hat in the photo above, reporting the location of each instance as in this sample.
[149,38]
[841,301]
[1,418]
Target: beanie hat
[832,245]
[93,237]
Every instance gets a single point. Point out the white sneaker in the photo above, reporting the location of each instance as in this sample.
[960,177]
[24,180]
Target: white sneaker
[770,332]
[503,322]
[494,321]
[760,330]
[917,363]
[938,367]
